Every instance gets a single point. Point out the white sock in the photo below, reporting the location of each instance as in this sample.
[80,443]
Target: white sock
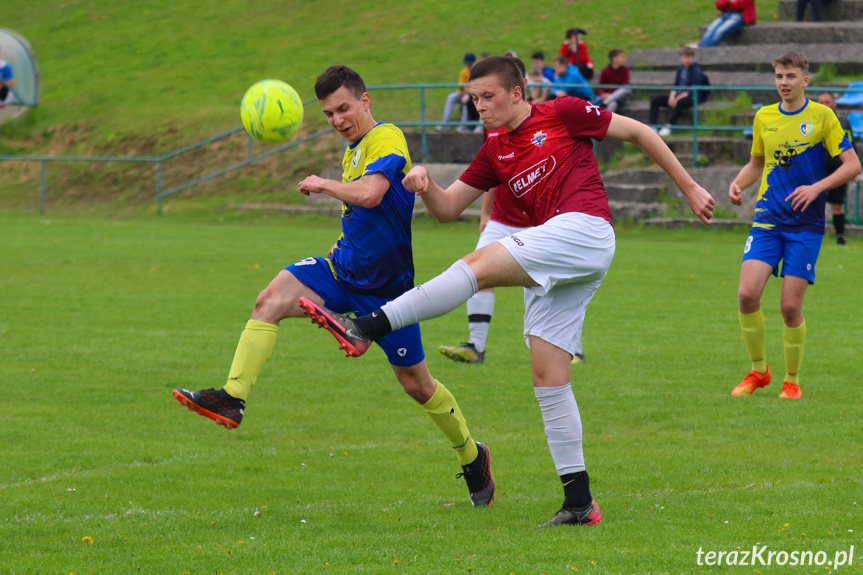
[479,310]
[562,427]
[436,297]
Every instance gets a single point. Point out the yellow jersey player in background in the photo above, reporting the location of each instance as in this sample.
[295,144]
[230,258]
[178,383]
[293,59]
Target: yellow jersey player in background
[789,142]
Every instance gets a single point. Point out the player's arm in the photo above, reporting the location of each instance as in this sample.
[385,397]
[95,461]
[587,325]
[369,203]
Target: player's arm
[802,196]
[747,176]
[633,131]
[365,192]
[444,204]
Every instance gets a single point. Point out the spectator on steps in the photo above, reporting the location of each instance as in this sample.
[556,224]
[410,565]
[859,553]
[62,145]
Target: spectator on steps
[616,73]
[816,9]
[461,95]
[566,73]
[689,73]
[575,50]
[734,15]
[537,61]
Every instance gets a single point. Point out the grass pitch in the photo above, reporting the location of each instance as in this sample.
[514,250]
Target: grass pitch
[335,470]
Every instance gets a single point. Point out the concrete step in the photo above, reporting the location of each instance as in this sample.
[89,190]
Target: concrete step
[443,147]
[801,32]
[846,58]
[643,193]
[635,211]
[835,11]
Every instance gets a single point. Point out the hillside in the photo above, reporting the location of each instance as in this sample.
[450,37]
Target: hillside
[157,75]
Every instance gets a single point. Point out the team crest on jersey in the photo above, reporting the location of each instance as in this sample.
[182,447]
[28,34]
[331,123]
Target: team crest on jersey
[806,128]
[355,161]
[539,138]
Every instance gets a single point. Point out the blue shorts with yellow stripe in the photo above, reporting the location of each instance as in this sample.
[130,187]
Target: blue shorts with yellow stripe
[798,251]
[403,347]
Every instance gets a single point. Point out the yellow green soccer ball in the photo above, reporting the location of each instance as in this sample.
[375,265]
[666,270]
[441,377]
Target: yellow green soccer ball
[271,111]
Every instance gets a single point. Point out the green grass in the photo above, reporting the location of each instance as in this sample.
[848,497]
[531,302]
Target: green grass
[171,73]
[100,319]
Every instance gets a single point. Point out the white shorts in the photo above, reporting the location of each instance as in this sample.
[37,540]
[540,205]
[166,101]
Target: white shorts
[495,231]
[568,256]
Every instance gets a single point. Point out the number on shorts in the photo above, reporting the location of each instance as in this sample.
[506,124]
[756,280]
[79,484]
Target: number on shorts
[748,245]
[306,262]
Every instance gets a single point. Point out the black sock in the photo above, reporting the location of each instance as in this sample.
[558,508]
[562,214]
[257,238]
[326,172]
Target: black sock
[839,224]
[375,325]
[576,490]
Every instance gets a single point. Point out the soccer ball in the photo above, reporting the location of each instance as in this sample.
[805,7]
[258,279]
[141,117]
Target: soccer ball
[271,111]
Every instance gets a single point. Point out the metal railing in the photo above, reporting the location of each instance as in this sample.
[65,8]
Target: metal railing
[424,124]
[160,160]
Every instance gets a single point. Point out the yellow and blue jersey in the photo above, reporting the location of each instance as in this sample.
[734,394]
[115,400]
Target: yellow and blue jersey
[374,254]
[794,146]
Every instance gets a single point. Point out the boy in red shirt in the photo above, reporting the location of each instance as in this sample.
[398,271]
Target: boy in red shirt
[616,73]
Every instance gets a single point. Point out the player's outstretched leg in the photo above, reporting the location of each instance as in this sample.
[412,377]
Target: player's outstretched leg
[588,515]
[466,352]
[752,381]
[213,403]
[343,327]
[478,476]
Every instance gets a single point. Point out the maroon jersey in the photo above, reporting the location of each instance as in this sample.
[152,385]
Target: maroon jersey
[546,166]
[505,213]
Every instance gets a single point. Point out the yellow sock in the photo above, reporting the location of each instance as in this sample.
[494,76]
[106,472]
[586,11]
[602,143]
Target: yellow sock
[445,413]
[253,351]
[754,335]
[793,338]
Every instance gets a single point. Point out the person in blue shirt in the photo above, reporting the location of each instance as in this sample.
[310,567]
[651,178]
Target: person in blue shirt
[689,73]
[566,73]
[370,264]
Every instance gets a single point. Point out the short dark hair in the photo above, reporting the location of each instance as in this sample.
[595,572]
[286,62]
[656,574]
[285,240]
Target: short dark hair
[687,51]
[505,68]
[335,77]
[538,56]
[573,32]
[614,52]
[560,59]
[793,60]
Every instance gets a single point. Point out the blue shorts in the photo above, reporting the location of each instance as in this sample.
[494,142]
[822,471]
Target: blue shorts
[404,347]
[797,250]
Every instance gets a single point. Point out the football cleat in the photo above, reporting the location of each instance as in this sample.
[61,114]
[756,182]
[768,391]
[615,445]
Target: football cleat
[465,352]
[790,391]
[586,516]
[752,381]
[578,358]
[477,474]
[344,329]
[216,404]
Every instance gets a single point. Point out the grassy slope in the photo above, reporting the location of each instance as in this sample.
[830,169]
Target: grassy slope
[99,319]
[175,71]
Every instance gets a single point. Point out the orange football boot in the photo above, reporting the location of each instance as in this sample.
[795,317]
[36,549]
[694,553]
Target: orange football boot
[790,391]
[751,382]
